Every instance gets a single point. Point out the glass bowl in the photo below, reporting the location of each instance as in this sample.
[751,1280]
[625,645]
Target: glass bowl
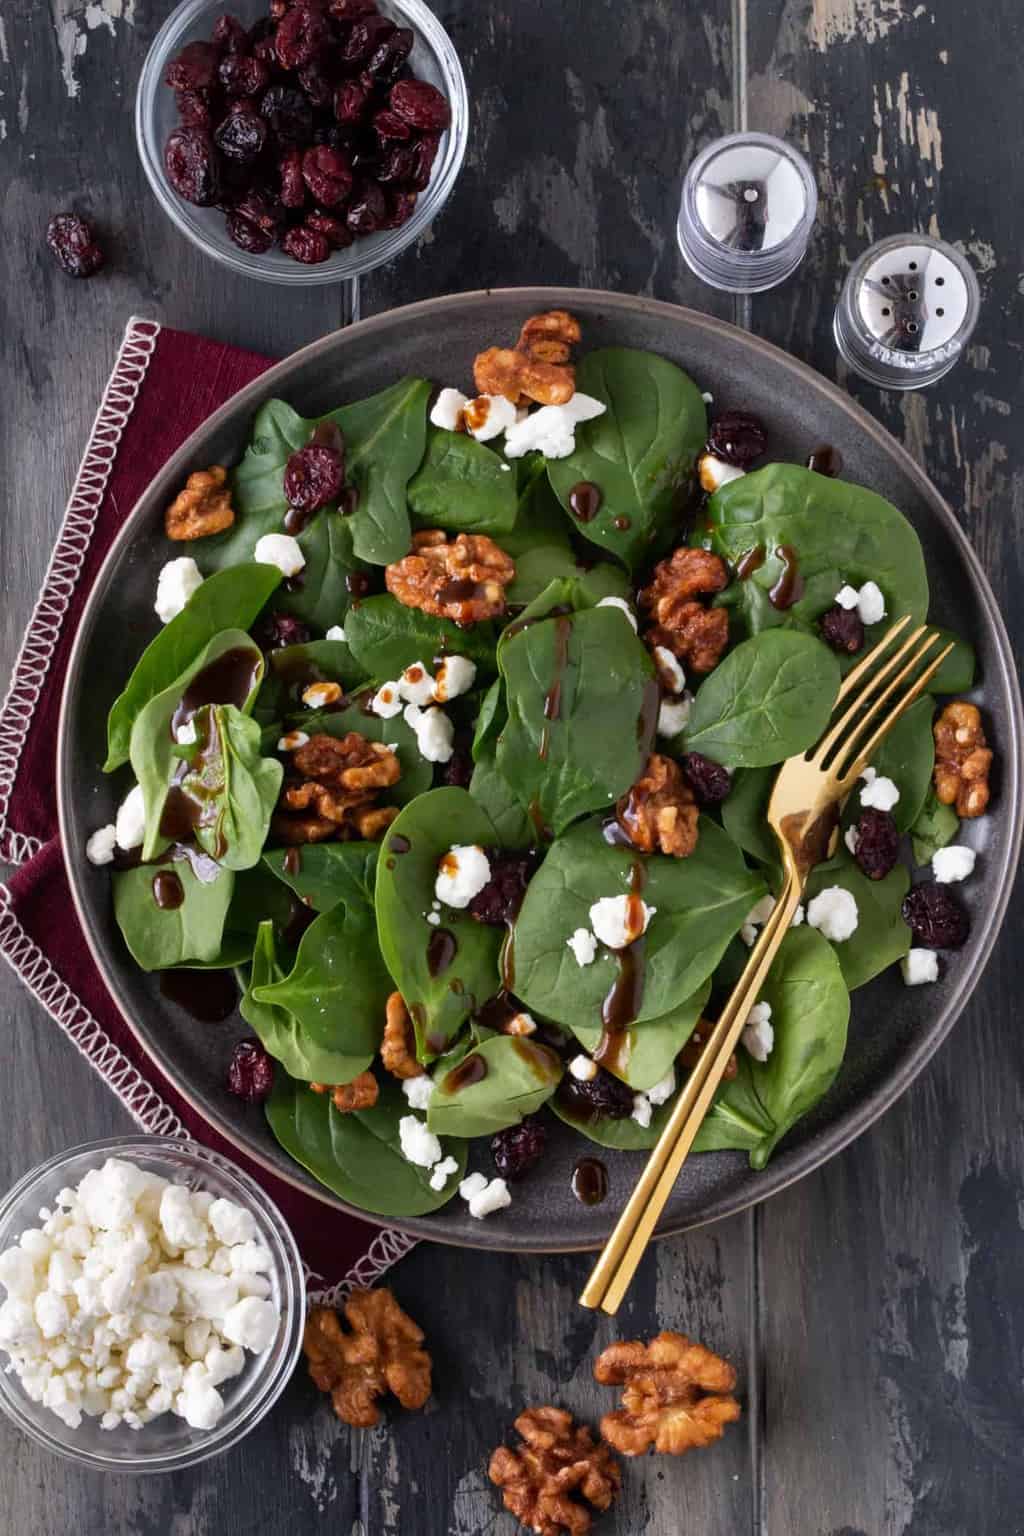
[166,1443]
[433,58]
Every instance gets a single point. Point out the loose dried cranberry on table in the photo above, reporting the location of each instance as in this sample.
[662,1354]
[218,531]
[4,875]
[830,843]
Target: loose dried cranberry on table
[499,901]
[738,438]
[313,476]
[519,1148]
[601,1095]
[709,781]
[71,239]
[190,161]
[328,175]
[194,67]
[251,1072]
[421,104]
[842,629]
[241,136]
[877,844]
[279,630]
[935,917]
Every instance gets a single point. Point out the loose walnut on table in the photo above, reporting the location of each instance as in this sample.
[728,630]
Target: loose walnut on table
[381,1354]
[678,1395]
[660,814]
[202,508]
[556,1472]
[463,580]
[696,634]
[538,367]
[963,759]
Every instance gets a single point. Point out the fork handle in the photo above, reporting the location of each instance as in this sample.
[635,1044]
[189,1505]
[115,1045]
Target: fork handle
[625,1247]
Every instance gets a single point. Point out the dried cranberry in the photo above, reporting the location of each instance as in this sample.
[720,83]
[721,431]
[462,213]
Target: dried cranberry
[289,114]
[518,1148]
[499,902]
[279,8]
[194,67]
[328,175]
[421,104]
[229,34]
[387,60]
[388,125]
[366,36]
[367,210]
[351,10]
[935,917]
[424,153]
[842,629]
[300,36]
[251,1073]
[335,231]
[314,475]
[247,235]
[709,781]
[261,41]
[279,630]
[458,770]
[401,206]
[262,209]
[316,83]
[72,241]
[350,102]
[737,437]
[397,165]
[306,245]
[602,1096]
[877,843]
[242,74]
[293,187]
[190,161]
[197,109]
[241,136]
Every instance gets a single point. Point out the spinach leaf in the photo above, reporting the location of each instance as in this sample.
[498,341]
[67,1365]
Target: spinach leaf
[881,935]
[417,772]
[159,937]
[495,795]
[227,600]
[540,521]
[652,1046]
[233,788]
[810,1013]
[358,1155]
[326,873]
[935,826]
[518,1077]
[294,667]
[956,674]
[582,703]
[701,902]
[281,1033]
[445,971]
[841,533]
[766,700]
[745,813]
[641,452]
[386,637]
[154,751]
[463,485]
[338,986]
[907,756]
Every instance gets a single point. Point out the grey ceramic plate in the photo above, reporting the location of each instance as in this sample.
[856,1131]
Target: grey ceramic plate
[894,1029]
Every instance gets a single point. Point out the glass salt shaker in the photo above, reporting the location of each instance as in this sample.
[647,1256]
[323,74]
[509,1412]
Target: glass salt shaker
[906,312]
[746,212]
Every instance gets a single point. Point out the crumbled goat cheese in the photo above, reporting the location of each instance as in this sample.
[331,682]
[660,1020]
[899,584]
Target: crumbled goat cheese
[834,913]
[433,918]
[291,741]
[642,1110]
[130,823]
[851,837]
[282,550]
[551,430]
[880,793]
[613,919]
[319,695]
[472,1184]
[488,416]
[418,1090]
[668,666]
[100,847]
[714,472]
[847,597]
[707,397]
[335,633]
[663,1089]
[583,1069]
[446,412]
[798,916]
[419,1145]
[175,585]
[620,602]
[762,910]
[111,1311]
[674,714]
[387,701]
[461,874]
[455,675]
[442,1172]
[748,933]
[521,1024]
[919,966]
[494,1196]
[870,603]
[954,862]
[758,1035]
[583,945]
[416,686]
[435,734]
[185,735]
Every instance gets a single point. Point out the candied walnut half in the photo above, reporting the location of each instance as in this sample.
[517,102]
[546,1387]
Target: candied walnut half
[463,580]
[202,508]
[963,759]
[398,1048]
[696,634]
[538,367]
[381,1354]
[678,1395]
[556,1473]
[360,1093]
[660,814]
[335,783]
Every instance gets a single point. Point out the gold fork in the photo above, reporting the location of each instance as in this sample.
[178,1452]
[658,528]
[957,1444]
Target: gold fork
[803,813]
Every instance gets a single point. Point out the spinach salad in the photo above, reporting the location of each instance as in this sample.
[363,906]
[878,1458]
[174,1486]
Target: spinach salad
[457,752]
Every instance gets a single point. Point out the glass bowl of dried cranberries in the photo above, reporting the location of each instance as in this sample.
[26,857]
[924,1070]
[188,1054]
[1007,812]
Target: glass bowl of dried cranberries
[302,141]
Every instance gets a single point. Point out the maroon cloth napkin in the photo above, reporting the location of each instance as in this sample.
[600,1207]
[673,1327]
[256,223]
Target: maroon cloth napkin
[164,383]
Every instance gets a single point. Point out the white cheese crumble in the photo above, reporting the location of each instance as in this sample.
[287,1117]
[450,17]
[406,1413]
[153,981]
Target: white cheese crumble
[879,792]
[847,597]
[642,1110]
[112,1310]
[851,837]
[671,673]
[714,472]
[583,1069]
[446,412]
[185,735]
[664,1088]
[583,946]
[319,695]
[387,701]
[551,430]
[674,714]
[442,1172]
[488,416]
[176,583]
[798,916]
[954,862]
[291,741]
[484,1197]
[282,550]
[472,1184]
[130,823]
[834,913]
[100,847]
[462,874]
[521,1024]
[758,1035]
[418,1145]
[620,602]
[919,966]
[435,734]
[613,920]
[335,633]
[455,675]
[868,601]
[416,686]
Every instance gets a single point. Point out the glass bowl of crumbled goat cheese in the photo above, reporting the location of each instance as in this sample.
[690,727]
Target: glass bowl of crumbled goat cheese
[152,1304]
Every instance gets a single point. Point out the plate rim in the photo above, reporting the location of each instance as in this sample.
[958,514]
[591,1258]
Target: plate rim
[853,1122]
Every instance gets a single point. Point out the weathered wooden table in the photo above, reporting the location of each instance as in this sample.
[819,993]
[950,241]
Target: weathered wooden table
[874,1311]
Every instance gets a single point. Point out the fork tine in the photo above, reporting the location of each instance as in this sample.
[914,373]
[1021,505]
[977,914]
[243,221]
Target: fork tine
[875,681]
[863,666]
[865,752]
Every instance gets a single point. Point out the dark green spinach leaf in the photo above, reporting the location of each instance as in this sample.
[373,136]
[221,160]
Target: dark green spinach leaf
[745,813]
[386,637]
[519,1076]
[766,700]
[234,788]
[881,936]
[326,873]
[936,825]
[651,1047]
[281,1033]
[159,937]
[464,486]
